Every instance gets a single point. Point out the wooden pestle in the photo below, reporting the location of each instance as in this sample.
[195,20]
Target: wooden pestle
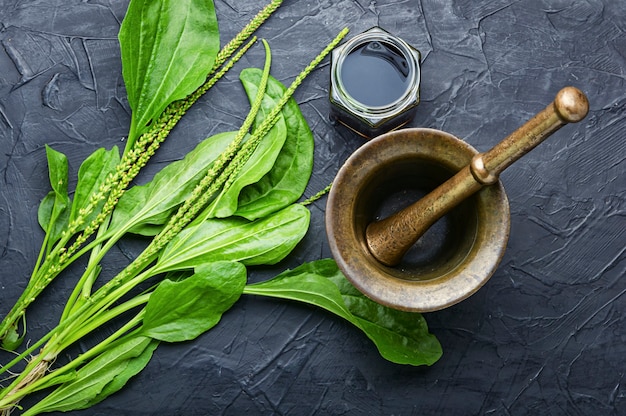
[390,238]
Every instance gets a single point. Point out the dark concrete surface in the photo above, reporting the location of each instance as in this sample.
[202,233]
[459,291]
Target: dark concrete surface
[545,336]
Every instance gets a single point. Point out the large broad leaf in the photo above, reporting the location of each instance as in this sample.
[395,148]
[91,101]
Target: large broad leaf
[180,311]
[289,176]
[100,377]
[168,47]
[263,158]
[144,209]
[401,337]
[54,210]
[93,172]
[264,241]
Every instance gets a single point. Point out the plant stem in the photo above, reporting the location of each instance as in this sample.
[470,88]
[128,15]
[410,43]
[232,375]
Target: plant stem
[47,379]
[317,196]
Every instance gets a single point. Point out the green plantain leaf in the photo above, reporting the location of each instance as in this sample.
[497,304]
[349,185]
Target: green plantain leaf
[396,331]
[92,174]
[264,241]
[100,377]
[263,158]
[181,311]
[290,174]
[144,209]
[53,213]
[401,337]
[168,47]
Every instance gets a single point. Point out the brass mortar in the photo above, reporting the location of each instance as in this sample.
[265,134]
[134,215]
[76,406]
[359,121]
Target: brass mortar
[399,260]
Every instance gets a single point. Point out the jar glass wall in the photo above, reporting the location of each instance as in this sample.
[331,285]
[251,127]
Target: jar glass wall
[374,85]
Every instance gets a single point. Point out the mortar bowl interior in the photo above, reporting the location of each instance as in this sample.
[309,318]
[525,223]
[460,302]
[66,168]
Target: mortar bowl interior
[455,257]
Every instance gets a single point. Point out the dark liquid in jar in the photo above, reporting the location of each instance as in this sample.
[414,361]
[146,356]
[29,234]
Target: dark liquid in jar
[375,74]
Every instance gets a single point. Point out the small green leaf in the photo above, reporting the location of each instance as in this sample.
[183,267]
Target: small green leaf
[12,339]
[180,311]
[401,337]
[290,174]
[45,211]
[58,170]
[53,213]
[264,241]
[100,377]
[93,172]
[168,47]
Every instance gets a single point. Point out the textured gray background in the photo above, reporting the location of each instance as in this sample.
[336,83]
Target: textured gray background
[545,336]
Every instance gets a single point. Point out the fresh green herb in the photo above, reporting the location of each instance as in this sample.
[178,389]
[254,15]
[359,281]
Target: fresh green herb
[228,205]
[190,240]
[100,189]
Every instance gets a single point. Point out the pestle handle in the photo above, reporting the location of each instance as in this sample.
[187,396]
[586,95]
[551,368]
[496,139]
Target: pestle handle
[389,239]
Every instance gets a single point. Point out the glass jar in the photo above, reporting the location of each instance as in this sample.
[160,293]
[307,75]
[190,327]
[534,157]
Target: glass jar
[374,83]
